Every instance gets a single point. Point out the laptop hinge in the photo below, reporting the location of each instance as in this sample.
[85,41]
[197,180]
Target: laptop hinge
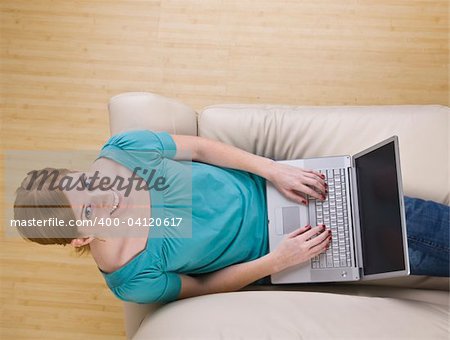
[355,216]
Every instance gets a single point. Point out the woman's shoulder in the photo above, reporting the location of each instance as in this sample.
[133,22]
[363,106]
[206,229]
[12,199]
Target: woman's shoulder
[141,139]
[121,253]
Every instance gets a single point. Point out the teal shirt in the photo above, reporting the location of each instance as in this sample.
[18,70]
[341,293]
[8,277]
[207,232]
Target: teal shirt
[223,213]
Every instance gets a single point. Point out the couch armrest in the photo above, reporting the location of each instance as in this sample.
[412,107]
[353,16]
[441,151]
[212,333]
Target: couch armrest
[143,110]
[134,314]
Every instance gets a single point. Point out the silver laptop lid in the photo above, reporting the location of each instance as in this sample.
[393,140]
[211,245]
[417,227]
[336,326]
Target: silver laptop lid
[382,221]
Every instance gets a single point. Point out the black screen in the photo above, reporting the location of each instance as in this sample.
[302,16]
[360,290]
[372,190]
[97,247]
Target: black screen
[379,211]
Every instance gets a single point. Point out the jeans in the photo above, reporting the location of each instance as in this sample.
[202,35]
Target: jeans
[428,226]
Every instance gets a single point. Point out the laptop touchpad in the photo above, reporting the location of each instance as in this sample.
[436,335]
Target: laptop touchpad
[291,219]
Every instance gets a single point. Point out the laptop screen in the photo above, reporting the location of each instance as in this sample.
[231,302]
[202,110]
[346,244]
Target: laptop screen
[379,211]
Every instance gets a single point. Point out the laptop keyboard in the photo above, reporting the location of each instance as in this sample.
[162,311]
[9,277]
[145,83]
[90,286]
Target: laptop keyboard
[333,213]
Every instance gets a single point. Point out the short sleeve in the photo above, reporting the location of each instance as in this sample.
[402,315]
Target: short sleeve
[151,287]
[160,142]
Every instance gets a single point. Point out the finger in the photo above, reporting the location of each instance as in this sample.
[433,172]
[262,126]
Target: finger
[296,197]
[319,239]
[313,231]
[299,231]
[311,171]
[318,184]
[322,182]
[302,195]
[320,247]
[319,177]
[311,192]
[317,173]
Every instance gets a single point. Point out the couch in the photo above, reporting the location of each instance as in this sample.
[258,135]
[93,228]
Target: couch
[413,307]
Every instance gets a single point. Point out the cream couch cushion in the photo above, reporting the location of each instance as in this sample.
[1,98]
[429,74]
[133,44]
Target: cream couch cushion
[295,315]
[289,132]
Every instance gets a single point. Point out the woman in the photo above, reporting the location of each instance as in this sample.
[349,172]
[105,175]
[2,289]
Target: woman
[215,239]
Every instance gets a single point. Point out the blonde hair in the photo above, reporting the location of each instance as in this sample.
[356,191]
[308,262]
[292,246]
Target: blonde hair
[38,200]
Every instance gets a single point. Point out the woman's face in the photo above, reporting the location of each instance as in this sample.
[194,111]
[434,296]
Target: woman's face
[89,202]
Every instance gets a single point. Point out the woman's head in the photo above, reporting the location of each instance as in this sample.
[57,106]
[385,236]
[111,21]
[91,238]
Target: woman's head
[40,197]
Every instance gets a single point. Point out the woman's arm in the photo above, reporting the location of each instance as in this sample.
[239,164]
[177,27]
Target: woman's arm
[213,152]
[293,182]
[297,247]
[229,279]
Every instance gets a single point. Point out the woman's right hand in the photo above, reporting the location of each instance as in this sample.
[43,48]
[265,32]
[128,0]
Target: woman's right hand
[299,246]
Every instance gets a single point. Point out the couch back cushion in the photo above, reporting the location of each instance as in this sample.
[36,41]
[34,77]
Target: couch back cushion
[289,132]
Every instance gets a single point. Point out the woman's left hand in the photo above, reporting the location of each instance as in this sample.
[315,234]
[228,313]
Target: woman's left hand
[295,183]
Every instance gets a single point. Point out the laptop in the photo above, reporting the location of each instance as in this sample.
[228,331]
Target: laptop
[364,209]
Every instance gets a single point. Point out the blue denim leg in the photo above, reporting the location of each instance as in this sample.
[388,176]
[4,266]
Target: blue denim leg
[428,226]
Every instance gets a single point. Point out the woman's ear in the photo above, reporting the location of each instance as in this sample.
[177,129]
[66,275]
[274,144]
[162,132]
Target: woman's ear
[79,242]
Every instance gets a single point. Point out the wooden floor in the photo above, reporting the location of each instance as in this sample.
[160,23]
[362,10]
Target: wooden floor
[62,60]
